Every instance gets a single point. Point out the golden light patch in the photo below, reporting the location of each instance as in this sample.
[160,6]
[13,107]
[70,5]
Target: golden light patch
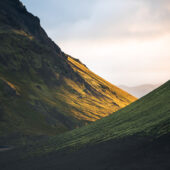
[12,86]
[21,32]
[112,98]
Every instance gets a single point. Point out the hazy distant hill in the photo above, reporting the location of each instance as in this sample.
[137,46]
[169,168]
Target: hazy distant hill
[141,90]
[43,90]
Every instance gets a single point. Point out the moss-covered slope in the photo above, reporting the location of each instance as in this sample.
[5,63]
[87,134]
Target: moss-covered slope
[134,138]
[147,117]
[43,90]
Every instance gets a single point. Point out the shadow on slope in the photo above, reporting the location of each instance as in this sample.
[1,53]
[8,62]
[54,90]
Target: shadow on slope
[136,137]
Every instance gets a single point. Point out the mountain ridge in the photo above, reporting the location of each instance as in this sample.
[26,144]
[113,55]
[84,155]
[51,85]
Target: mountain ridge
[43,90]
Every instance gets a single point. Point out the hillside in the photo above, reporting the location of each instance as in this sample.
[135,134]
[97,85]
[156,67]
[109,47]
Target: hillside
[43,91]
[148,116]
[134,138]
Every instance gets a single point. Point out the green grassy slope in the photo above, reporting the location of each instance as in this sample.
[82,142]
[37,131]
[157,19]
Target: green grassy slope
[149,116]
[41,90]
[134,138]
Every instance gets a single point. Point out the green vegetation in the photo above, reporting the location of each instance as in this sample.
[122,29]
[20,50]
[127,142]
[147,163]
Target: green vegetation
[135,136]
[147,117]
[42,90]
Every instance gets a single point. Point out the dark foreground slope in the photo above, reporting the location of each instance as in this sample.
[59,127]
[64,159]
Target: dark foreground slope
[136,137]
[43,91]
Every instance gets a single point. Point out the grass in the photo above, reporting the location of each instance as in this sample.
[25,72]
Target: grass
[53,96]
[135,137]
[44,91]
[149,116]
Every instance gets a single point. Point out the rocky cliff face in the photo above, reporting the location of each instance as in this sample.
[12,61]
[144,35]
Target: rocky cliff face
[43,90]
[14,15]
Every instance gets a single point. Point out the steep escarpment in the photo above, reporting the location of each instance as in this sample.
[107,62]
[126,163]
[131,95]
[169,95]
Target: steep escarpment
[43,90]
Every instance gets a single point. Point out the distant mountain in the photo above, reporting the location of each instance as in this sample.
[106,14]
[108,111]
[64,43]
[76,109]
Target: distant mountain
[140,91]
[43,91]
[134,138]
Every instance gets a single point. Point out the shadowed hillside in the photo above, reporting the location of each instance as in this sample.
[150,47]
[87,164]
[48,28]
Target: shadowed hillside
[135,137]
[43,91]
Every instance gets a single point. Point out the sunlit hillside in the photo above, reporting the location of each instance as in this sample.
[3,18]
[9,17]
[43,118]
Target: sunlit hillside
[148,116]
[43,90]
[135,137]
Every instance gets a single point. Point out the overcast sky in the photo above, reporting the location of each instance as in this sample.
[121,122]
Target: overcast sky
[124,41]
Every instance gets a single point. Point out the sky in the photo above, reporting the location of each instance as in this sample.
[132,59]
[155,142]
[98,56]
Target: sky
[126,42]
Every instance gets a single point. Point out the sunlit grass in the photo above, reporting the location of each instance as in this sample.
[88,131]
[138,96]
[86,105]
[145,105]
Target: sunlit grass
[148,117]
[43,105]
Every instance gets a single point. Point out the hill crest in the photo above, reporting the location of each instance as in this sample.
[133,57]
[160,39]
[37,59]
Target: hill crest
[56,91]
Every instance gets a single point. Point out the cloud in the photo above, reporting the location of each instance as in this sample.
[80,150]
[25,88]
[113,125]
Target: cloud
[54,13]
[112,19]
[98,19]
[124,41]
